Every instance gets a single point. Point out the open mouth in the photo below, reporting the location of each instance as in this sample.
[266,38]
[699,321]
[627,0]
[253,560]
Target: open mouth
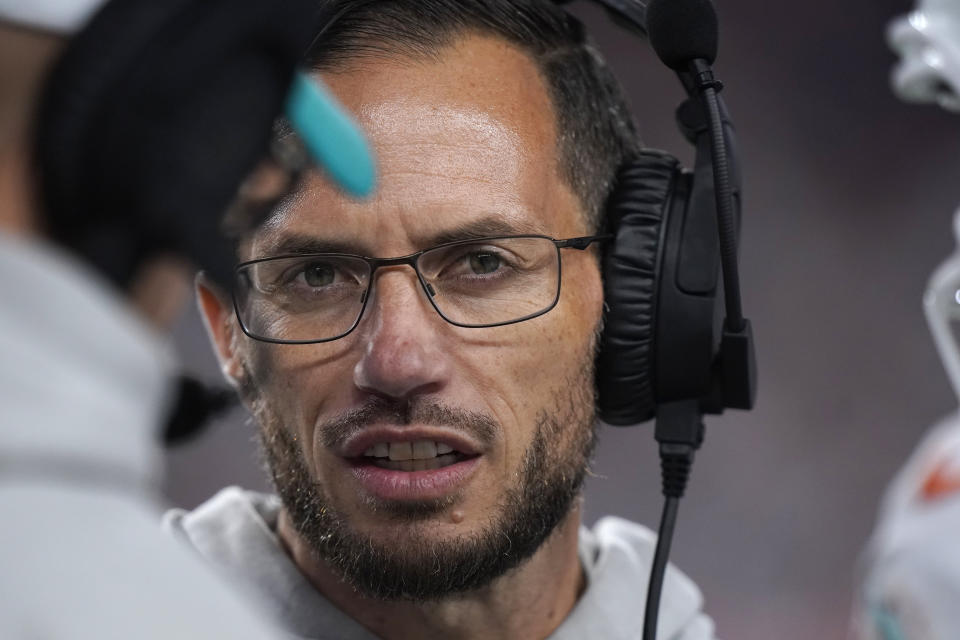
[421,455]
[411,466]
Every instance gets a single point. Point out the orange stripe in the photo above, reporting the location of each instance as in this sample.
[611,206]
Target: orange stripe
[940,482]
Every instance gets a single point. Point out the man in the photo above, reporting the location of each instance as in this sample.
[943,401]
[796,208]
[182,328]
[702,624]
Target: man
[911,579]
[85,386]
[427,420]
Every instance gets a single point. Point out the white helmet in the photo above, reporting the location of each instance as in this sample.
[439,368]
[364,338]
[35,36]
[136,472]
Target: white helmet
[928,42]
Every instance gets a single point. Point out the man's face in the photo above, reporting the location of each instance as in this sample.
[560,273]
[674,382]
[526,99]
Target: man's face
[465,146]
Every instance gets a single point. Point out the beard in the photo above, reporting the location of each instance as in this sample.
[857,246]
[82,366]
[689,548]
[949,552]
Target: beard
[416,567]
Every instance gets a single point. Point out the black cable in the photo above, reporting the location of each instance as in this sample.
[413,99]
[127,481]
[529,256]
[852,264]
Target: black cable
[676,459]
[664,537]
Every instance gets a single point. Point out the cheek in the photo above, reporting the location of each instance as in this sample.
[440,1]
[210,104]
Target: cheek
[527,373]
[297,382]
[582,293]
[568,332]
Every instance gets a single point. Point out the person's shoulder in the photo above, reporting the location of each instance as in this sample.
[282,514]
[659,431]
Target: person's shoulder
[617,555]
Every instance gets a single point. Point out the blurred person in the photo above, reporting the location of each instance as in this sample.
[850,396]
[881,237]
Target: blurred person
[86,375]
[911,581]
[427,420]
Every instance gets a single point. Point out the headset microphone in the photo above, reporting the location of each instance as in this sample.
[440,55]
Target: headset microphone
[682,30]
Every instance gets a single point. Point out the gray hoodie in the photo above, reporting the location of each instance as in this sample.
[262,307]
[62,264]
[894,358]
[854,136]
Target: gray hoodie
[235,530]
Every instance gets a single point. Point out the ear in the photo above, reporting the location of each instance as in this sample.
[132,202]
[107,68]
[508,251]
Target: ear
[220,320]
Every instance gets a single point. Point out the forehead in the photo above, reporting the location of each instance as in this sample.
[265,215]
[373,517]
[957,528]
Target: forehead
[464,140]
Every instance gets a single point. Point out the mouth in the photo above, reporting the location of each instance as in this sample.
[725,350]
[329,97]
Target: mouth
[419,455]
[404,465]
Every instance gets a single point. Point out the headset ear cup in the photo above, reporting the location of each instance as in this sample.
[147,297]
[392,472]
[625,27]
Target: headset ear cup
[637,212]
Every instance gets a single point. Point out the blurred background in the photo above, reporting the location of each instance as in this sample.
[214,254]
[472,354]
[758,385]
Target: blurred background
[849,196]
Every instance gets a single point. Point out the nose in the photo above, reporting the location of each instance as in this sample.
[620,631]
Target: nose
[404,354]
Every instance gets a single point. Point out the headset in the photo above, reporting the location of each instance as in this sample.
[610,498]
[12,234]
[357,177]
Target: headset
[661,342]
[669,350]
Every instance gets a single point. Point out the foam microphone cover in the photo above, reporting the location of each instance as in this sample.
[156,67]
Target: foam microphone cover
[682,30]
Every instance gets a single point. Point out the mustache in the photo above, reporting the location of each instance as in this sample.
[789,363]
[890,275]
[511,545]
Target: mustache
[335,431]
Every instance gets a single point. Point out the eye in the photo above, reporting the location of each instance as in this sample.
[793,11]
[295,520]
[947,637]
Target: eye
[484,262]
[479,263]
[318,274]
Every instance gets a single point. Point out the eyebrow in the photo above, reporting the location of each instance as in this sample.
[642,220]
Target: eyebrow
[299,243]
[485,227]
[493,225]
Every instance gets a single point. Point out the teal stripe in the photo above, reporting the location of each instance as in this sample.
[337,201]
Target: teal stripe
[887,623]
[330,135]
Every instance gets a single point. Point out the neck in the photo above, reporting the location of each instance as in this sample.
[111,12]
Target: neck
[17,207]
[528,602]
[25,56]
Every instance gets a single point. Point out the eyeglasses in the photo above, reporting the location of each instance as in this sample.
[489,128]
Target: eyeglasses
[482,282]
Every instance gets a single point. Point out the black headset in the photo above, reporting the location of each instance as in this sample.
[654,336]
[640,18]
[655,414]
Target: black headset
[669,349]
[662,339]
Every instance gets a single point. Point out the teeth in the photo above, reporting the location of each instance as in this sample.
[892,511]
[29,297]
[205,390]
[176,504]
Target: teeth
[401,451]
[423,449]
[419,450]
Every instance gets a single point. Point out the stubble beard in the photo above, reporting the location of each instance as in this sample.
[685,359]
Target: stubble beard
[418,567]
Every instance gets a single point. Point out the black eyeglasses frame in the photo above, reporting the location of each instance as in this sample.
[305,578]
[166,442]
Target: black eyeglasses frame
[580,243]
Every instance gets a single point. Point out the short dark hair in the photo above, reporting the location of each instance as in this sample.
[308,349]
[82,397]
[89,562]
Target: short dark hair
[595,132]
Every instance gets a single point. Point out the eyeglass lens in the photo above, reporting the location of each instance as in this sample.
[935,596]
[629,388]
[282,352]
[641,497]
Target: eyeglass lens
[321,297]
